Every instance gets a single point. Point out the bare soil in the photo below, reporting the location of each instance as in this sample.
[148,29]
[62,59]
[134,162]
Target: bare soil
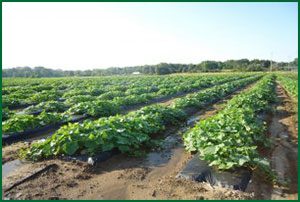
[10,152]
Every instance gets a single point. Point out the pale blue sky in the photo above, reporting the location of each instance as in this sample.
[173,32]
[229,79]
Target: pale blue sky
[100,35]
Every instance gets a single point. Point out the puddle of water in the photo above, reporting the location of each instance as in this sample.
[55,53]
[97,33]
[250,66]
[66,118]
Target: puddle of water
[20,112]
[11,166]
[192,120]
[159,158]
[77,117]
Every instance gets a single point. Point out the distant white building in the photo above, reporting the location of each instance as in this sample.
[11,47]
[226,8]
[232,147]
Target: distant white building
[136,73]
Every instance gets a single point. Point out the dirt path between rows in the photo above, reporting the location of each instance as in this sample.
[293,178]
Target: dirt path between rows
[123,177]
[283,154]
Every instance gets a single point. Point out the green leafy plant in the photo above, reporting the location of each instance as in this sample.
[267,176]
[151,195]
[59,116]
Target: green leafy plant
[128,133]
[24,122]
[95,108]
[49,106]
[229,139]
[290,84]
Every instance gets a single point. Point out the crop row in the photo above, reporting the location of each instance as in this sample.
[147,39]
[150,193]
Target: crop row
[46,91]
[97,108]
[291,75]
[146,87]
[79,90]
[129,132]
[59,91]
[230,138]
[290,84]
[140,90]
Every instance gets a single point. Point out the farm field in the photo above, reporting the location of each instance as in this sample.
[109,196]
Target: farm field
[133,137]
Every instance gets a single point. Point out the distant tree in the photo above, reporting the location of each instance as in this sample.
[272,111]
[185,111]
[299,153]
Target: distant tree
[294,62]
[208,66]
[160,69]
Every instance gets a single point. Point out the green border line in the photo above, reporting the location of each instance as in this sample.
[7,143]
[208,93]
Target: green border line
[275,1]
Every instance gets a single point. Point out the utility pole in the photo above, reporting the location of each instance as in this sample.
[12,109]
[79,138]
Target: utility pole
[271,65]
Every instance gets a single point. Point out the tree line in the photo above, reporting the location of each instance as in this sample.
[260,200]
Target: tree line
[159,69]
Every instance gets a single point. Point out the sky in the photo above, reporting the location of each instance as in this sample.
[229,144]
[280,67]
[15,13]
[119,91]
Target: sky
[80,36]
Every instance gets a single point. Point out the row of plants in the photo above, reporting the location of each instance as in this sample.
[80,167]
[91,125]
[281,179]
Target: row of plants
[95,109]
[6,114]
[128,133]
[290,84]
[87,105]
[89,108]
[49,106]
[292,75]
[31,94]
[25,122]
[210,95]
[74,90]
[121,99]
[230,138]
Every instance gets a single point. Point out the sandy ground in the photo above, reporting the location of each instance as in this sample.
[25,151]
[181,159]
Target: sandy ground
[10,152]
[154,176]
